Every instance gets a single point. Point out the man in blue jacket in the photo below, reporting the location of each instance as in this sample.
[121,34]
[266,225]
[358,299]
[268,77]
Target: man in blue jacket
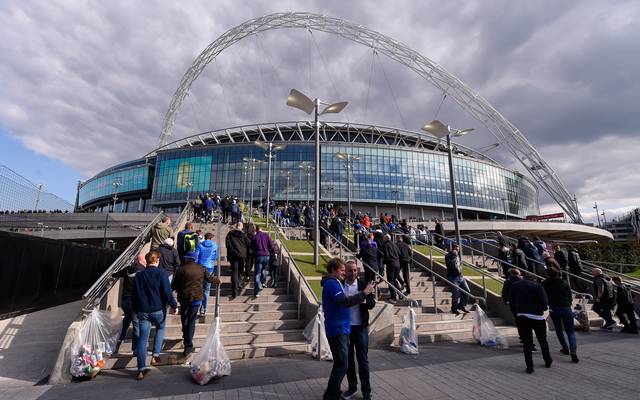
[207,253]
[337,322]
[150,295]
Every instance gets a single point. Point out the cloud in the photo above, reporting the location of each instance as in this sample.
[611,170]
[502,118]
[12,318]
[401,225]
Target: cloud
[88,83]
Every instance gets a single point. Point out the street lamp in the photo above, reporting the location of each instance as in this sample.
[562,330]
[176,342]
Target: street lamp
[300,101]
[440,130]
[270,148]
[245,170]
[287,176]
[116,184]
[505,205]
[304,166]
[252,163]
[261,187]
[348,159]
[189,184]
[396,192]
[40,186]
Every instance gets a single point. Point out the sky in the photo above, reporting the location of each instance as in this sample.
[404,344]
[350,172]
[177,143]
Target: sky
[85,84]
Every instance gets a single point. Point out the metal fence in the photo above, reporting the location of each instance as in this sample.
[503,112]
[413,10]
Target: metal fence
[17,193]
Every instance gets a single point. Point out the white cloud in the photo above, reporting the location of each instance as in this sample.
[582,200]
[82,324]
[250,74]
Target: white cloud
[88,83]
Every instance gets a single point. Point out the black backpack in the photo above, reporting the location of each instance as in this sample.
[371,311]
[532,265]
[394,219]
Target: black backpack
[625,296]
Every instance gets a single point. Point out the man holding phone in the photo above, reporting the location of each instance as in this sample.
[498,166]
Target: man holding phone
[337,322]
[359,336]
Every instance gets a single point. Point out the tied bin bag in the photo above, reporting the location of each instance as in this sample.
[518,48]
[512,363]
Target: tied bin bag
[95,340]
[211,361]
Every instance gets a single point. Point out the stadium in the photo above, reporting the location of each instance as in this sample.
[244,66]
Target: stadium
[395,170]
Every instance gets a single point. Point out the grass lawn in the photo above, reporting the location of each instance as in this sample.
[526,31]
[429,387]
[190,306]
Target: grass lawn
[308,268]
[298,246]
[424,250]
[317,289]
[634,274]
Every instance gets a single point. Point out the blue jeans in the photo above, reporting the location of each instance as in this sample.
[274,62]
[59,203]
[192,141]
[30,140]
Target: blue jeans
[188,315]
[262,265]
[562,318]
[458,300]
[129,318]
[339,346]
[145,321]
[359,349]
[207,290]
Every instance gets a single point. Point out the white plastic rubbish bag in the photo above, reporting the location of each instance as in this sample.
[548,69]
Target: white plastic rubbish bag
[211,361]
[408,335]
[95,340]
[486,333]
[315,330]
[581,316]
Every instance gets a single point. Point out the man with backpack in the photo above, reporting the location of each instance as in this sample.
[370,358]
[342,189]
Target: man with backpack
[625,311]
[187,241]
[604,297]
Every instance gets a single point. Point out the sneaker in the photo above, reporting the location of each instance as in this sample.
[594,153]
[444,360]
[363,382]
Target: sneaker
[257,295]
[534,349]
[392,301]
[464,310]
[155,360]
[349,394]
[574,358]
[607,327]
[529,370]
[140,376]
[547,364]
[455,312]
[187,352]
[565,352]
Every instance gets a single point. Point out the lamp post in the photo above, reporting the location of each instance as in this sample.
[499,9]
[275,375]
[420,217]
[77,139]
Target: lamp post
[287,176]
[300,101]
[270,148]
[252,162]
[505,205]
[116,184]
[604,218]
[597,212]
[396,192]
[348,159]
[307,171]
[40,186]
[245,170]
[189,184]
[440,130]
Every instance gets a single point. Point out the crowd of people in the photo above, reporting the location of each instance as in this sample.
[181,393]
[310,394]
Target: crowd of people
[56,211]
[178,275]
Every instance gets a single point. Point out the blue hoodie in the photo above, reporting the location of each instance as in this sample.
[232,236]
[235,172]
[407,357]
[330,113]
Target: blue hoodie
[335,304]
[207,252]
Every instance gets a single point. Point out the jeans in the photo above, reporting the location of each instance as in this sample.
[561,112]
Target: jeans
[236,267]
[404,267]
[527,326]
[339,346]
[604,311]
[627,317]
[562,318]
[392,277]
[188,315]
[207,290]
[359,347]
[262,265]
[145,321]
[458,300]
[129,317]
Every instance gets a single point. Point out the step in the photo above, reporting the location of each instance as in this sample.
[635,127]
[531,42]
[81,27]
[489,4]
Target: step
[253,316]
[460,335]
[265,297]
[431,317]
[249,291]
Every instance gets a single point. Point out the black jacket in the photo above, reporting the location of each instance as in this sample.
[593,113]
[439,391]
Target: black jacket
[391,254]
[128,274]
[506,289]
[169,258]
[528,297]
[558,292]
[368,254]
[237,244]
[454,270]
[519,259]
[561,258]
[405,252]
[575,265]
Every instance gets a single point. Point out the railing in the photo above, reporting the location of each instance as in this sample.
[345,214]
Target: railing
[633,282]
[342,246]
[525,271]
[93,296]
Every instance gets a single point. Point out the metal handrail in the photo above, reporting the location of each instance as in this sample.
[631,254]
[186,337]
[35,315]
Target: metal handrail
[96,292]
[101,287]
[430,270]
[411,301]
[633,282]
[526,271]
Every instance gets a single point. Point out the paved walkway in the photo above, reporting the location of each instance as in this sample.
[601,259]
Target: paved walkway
[29,344]
[609,369]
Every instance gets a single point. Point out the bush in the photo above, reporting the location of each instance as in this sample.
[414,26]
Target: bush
[627,252]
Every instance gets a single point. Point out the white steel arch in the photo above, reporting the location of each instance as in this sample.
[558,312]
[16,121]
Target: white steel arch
[470,101]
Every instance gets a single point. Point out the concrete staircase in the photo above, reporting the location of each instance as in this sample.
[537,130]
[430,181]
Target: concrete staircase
[442,326]
[250,327]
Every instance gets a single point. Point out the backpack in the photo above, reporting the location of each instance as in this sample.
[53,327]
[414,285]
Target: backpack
[190,242]
[625,296]
[609,289]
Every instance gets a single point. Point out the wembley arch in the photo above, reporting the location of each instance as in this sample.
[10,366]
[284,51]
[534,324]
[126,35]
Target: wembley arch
[469,100]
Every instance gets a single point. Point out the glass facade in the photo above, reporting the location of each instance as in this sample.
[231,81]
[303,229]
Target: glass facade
[132,179]
[419,177]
